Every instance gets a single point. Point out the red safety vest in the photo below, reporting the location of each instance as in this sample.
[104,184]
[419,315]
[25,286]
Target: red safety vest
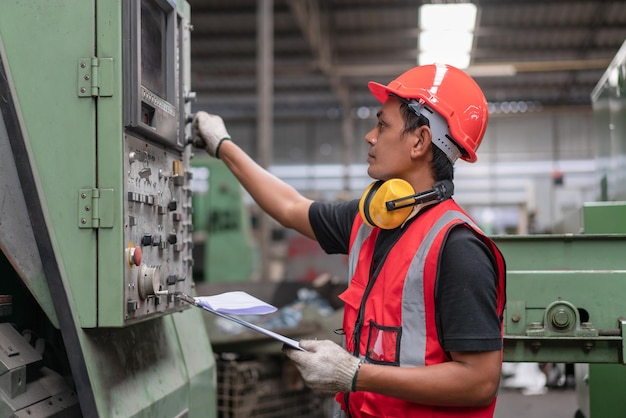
[394,318]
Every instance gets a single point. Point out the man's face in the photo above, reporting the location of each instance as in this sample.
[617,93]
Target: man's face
[389,153]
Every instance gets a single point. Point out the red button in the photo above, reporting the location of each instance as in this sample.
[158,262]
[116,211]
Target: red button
[135,255]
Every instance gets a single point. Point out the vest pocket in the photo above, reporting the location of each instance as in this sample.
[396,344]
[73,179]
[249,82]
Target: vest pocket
[383,344]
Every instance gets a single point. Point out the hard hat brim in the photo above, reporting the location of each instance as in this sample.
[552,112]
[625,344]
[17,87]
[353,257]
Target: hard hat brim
[381,92]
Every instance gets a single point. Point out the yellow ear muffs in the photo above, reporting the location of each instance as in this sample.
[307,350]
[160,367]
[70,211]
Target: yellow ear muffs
[372,205]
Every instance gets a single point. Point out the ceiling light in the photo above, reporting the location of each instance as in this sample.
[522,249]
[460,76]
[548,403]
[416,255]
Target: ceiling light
[446,33]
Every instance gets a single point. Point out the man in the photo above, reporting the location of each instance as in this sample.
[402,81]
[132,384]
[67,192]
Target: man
[423,310]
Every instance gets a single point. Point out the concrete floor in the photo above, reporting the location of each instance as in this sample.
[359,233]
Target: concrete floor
[555,403]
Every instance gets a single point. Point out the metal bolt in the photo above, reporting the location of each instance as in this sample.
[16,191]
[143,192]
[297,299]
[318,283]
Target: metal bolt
[83,64]
[87,77]
[561,319]
[83,195]
[87,208]
[515,318]
[83,90]
[83,221]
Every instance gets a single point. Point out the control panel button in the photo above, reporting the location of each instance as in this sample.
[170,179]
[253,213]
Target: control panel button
[131,305]
[156,240]
[146,240]
[135,256]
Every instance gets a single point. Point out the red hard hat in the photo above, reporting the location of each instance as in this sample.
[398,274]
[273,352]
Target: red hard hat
[450,92]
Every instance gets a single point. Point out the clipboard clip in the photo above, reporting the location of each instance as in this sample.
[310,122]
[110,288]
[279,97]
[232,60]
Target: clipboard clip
[186,298]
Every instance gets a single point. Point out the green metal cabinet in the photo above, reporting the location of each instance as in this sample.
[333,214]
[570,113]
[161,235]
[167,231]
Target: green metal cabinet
[95,219]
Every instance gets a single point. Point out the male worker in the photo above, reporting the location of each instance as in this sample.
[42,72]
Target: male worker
[423,310]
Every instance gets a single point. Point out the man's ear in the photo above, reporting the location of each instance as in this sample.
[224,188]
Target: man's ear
[422,138]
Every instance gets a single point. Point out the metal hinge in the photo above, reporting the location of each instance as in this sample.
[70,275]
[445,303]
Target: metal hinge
[95,208]
[95,77]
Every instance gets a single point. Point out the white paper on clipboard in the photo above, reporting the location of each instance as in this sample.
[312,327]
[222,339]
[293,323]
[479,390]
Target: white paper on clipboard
[243,303]
[236,303]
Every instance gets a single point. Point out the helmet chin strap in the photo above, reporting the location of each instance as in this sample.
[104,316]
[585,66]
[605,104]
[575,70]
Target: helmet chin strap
[439,127]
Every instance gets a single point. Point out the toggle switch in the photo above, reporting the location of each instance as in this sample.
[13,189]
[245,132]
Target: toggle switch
[145,172]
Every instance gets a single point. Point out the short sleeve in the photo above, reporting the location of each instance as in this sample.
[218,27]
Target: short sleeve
[466,296]
[332,224]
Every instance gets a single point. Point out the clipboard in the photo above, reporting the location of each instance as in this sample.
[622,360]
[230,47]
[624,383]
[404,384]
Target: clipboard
[285,340]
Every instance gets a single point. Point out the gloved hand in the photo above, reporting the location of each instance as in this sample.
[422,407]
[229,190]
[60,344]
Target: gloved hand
[209,132]
[325,366]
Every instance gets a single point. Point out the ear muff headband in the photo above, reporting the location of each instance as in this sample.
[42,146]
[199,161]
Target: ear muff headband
[372,205]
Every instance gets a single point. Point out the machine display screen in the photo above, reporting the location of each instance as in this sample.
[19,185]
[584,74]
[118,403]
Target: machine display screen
[153,30]
[151,59]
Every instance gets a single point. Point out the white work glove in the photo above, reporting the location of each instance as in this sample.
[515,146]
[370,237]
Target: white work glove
[325,366]
[209,132]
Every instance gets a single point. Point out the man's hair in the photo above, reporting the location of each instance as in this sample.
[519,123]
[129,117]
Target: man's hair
[441,167]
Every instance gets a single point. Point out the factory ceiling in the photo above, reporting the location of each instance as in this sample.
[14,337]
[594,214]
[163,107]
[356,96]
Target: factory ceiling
[546,52]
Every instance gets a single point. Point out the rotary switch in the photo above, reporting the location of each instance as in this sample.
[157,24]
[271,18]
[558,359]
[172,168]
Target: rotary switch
[148,281]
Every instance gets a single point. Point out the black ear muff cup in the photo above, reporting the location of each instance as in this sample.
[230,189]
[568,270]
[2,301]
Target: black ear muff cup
[372,205]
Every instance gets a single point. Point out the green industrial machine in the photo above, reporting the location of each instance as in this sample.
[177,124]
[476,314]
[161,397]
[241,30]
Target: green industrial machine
[565,304]
[565,293]
[96,213]
[564,298]
[222,227]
